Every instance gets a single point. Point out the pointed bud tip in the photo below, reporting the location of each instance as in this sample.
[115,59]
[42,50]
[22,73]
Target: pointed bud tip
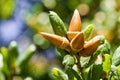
[57,40]
[92,43]
[42,33]
[76,11]
[46,35]
[75,24]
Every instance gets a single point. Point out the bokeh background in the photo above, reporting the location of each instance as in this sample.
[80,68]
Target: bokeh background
[22,20]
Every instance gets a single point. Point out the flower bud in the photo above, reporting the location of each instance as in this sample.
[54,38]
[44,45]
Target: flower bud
[90,47]
[77,42]
[71,35]
[58,41]
[75,24]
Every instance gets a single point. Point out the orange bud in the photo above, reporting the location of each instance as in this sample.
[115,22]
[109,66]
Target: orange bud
[77,42]
[71,35]
[58,41]
[75,24]
[90,47]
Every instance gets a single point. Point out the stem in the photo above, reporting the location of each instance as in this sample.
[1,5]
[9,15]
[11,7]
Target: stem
[80,69]
[110,75]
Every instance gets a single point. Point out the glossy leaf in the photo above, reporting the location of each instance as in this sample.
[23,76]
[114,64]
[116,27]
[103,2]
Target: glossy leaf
[5,67]
[95,72]
[106,47]
[61,52]
[1,61]
[94,56]
[72,74]
[106,63]
[87,31]
[12,56]
[57,24]
[4,52]
[101,49]
[114,72]
[13,52]
[59,74]
[84,61]
[68,60]
[26,56]
[116,57]
[118,71]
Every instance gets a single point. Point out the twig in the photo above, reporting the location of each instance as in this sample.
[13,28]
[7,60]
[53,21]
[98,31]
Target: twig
[80,69]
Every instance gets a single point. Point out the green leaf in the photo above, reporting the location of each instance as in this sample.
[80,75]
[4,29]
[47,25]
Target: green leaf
[6,12]
[12,53]
[1,61]
[84,61]
[59,74]
[72,74]
[87,73]
[116,57]
[4,52]
[101,49]
[106,47]
[26,56]
[5,67]
[94,56]
[112,78]
[12,56]
[57,24]
[2,76]
[68,60]
[102,39]
[61,52]
[114,72]
[87,31]
[106,63]
[118,71]
[95,72]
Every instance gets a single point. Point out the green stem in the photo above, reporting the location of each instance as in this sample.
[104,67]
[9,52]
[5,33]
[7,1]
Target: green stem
[109,75]
[80,69]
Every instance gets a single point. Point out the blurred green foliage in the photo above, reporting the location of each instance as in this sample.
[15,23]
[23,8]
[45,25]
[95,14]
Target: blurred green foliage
[11,65]
[6,8]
